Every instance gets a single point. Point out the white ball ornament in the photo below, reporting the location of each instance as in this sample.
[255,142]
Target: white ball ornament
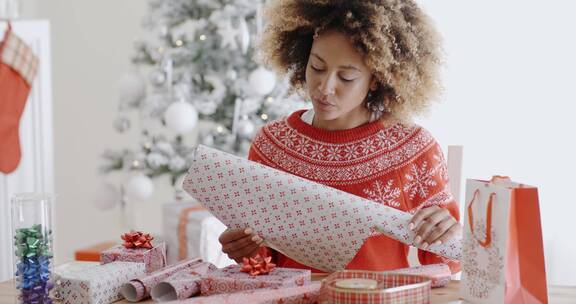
[262,81]
[139,187]
[246,128]
[132,88]
[181,117]
[107,196]
[158,77]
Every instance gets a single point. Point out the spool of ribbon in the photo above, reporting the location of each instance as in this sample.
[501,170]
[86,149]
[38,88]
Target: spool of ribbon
[368,287]
[137,239]
[257,265]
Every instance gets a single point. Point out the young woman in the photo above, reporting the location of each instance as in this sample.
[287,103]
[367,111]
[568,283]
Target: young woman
[368,67]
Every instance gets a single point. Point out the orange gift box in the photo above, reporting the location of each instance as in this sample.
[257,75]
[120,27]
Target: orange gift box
[92,253]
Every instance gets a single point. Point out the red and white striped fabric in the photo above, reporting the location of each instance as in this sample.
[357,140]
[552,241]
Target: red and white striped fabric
[388,288]
[439,274]
[19,56]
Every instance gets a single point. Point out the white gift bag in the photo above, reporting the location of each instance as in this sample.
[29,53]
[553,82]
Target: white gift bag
[502,252]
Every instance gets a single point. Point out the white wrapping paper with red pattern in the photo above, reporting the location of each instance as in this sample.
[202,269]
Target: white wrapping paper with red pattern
[183,284]
[139,289]
[231,279]
[314,224]
[154,258]
[92,284]
[306,294]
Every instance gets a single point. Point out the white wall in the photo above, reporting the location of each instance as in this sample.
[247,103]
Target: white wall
[92,45]
[509,101]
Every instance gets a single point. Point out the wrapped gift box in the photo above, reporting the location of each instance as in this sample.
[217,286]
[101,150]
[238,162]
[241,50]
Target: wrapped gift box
[91,283]
[190,232]
[154,258]
[231,279]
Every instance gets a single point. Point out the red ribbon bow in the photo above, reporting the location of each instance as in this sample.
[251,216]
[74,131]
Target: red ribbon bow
[137,239]
[257,265]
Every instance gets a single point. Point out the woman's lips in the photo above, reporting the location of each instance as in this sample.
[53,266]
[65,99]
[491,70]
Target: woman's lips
[323,103]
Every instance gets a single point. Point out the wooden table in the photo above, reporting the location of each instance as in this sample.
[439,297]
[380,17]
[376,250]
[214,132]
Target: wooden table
[448,294]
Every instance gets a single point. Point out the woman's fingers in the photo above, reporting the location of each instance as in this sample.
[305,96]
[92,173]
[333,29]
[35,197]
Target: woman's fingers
[428,224]
[233,234]
[433,225]
[247,251]
[420,216]
[454,231]
[239,243]
[439,230]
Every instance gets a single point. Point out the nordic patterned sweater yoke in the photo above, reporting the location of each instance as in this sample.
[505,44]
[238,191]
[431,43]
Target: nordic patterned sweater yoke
[401,166]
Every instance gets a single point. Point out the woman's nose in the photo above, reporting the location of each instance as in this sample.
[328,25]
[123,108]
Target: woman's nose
[328,85]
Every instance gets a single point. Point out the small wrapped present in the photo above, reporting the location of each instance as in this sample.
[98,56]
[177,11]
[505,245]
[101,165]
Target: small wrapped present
[190,231]
[232,279]
[306,294]
[138,248]
[90,283]
[72,267]
[181,285]
[139,289]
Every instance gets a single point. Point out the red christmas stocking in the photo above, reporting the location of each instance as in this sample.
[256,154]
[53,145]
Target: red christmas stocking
[17,70]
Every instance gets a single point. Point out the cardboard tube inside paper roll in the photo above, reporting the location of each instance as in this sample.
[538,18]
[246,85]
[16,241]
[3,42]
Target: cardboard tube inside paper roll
[314,224]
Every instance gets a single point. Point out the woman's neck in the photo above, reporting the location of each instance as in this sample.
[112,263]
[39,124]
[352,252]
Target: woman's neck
[349,121]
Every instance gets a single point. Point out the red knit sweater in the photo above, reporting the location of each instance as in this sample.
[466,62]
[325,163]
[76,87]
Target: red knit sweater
[400,166]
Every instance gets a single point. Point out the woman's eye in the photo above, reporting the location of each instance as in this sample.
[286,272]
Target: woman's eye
[346,80]
[316,69]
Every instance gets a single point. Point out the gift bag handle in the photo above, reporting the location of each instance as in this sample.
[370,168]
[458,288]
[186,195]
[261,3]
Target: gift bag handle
[488,238]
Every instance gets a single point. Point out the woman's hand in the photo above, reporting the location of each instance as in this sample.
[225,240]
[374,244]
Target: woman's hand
[239,243]
[433,226]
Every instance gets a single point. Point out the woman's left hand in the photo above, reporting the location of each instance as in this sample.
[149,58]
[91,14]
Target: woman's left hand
[433,226]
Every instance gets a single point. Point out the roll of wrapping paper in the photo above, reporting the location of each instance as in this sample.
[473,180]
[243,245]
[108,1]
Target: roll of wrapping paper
[181,285]
[139,289]
[367,287]
[311,223]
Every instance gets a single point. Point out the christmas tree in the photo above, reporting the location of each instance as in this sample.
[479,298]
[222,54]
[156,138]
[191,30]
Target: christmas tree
[196,72]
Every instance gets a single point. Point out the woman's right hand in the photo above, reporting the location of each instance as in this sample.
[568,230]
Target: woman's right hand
[240,243]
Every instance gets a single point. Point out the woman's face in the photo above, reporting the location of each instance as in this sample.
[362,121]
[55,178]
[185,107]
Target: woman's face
[337,79]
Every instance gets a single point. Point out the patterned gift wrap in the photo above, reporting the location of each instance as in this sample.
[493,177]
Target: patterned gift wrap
[367,287]
[154,258]
[306,294]
[94,284]
[139,289]
[231,279]
[439,274]
[311,223]
[183,284]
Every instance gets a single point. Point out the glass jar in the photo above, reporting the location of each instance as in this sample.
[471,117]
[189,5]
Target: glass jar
[32,244]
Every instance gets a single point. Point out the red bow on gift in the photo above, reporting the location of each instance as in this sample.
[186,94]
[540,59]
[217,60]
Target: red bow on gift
[137,239]
[257,265]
